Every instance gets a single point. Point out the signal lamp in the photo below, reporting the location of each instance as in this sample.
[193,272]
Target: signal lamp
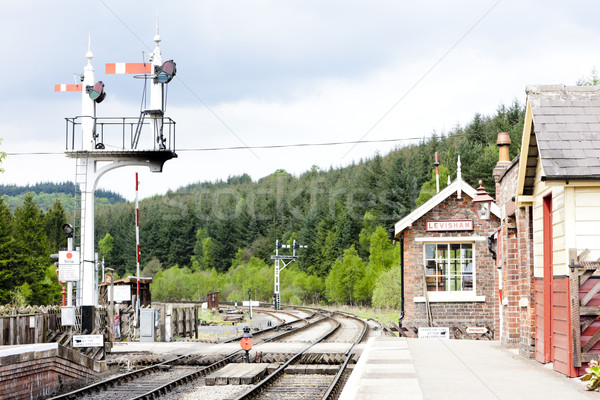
[68,229]
[97,92]
[166,72]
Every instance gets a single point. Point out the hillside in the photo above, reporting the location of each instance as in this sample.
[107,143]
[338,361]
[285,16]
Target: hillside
[204,225]
[46,193]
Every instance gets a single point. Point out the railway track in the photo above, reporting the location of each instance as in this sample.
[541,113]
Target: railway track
[157,380]
[147,383]
[279,385]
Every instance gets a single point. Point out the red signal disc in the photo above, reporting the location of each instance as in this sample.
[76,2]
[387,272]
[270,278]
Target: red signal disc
[246,343]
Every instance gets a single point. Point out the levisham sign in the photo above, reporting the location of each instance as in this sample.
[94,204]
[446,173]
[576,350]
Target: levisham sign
[449,225]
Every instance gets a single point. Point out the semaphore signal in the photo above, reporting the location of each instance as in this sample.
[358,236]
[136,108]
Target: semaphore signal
[100,145]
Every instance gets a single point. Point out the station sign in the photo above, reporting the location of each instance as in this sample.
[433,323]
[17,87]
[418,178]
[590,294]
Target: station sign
[434,332]
[477,329]
[449,225]
[68,266]
[88,340]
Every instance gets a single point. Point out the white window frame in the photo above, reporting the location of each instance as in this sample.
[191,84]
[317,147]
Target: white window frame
[453,296]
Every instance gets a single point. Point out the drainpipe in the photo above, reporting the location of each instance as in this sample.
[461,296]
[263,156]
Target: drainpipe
[401,282]
[500,280]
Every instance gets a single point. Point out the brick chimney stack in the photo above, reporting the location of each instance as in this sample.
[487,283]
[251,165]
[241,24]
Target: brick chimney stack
[503,143]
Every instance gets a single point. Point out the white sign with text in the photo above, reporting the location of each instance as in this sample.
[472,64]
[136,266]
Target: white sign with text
[434,332]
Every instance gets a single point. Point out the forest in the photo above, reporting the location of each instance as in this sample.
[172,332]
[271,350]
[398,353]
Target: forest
[221,235]
[46,193]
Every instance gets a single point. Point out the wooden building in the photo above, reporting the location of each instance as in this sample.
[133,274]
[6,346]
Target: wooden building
[549,241]
[212,300]
[448,269]
[125,296]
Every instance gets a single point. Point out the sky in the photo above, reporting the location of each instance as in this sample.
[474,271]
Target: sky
[265,72]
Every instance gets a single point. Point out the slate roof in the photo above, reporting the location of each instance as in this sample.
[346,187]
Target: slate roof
[566,121]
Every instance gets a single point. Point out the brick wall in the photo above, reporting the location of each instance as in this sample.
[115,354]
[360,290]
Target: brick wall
[30,374]
[515,258]
[453,314]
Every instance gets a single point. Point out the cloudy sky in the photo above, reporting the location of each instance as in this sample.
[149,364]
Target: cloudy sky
[258,73]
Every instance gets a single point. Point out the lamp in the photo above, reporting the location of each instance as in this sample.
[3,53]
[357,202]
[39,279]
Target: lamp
[482,202]
[68,230]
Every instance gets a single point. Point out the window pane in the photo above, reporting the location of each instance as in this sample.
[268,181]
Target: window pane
[449,266]
[429,251]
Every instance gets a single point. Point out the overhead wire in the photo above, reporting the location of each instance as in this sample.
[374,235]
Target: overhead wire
[291,145]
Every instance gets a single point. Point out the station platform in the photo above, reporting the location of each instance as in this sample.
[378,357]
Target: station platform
[416,369]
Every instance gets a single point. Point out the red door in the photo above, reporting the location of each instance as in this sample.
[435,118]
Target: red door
[548,273]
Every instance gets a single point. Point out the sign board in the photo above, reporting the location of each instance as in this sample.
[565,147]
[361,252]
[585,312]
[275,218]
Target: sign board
[449,225]
[88,340]
[122,293]
[434,332]
[246,303]
[67,315]
[68,266]
[477,329]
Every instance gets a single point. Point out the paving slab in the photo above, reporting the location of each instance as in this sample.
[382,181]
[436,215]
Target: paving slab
[472,369]
[427,369]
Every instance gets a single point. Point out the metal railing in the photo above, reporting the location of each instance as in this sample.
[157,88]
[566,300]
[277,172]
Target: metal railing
[123,133]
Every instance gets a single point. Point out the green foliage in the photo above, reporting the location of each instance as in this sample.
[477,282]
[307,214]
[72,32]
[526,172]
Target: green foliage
[2,157]
[592,80]
[151,268]
[429,188]
[387,289]
[46,194]
[220,235]
[105,246]
[53,222]
[592,376]
[345,275]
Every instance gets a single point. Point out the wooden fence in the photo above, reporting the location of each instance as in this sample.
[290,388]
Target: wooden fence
[27,325]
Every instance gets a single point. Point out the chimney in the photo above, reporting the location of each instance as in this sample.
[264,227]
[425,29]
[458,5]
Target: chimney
[503,142]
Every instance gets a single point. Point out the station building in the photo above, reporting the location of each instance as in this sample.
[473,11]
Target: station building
[449,272]
[548,244]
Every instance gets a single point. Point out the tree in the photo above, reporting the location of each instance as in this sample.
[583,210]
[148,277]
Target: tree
[53,222]
[387,289]
[2,156]
[428,190]
[31,247]
[151,268]
[105,247]
[592,80]
[9,266]
[344,276]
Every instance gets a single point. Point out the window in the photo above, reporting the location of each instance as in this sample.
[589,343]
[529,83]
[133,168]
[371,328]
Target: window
[449,267]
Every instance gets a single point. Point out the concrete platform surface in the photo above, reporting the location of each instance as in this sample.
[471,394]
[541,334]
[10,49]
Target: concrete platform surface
[415,369]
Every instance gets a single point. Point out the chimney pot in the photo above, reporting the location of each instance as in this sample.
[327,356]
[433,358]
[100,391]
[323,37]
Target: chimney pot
[503,142]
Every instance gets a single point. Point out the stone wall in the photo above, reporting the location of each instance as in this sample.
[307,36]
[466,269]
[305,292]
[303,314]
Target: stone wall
[41,370]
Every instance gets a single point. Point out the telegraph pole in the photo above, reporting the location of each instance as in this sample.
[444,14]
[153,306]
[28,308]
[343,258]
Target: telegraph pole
[285,260]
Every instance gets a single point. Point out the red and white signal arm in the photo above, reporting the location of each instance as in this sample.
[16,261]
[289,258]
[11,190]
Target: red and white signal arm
[246,343]
[68,266]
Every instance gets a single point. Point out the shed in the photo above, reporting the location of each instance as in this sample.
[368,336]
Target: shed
[212,299]
[126,296]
